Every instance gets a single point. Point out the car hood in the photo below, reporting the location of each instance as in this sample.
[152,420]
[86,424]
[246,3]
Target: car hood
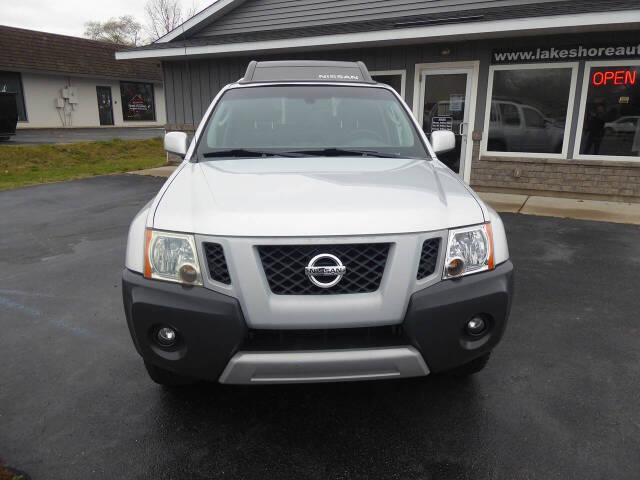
[315,196]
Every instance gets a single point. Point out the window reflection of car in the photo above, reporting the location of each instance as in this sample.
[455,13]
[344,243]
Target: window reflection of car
[622,126]
[515,127]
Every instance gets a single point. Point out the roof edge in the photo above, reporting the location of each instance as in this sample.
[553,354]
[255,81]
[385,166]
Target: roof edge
[207,15]
[66,73]
[485,29]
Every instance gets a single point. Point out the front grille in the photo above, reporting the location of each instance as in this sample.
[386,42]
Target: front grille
[284,266]
[217,263]
[325,339]
[428,257]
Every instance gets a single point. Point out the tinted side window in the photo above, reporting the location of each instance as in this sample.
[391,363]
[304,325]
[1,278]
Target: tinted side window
[394,81]
[510,115]
[533,118]
[494,115]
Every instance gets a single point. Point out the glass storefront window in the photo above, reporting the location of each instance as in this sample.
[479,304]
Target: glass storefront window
[611,125]
[529,109]
[11,82]
[393,79]
[137,101]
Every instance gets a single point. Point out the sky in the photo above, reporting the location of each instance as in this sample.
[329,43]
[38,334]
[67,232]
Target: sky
[68,17]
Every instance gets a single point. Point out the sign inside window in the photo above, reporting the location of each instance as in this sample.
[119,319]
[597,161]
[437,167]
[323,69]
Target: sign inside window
[612,110]
[455,102]
[441,123]
[614,77]
[137,101]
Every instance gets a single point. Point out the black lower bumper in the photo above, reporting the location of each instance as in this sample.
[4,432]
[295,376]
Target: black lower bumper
[211,327]
[437,317]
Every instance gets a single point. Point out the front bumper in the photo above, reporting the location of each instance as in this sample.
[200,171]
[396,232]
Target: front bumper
[210,325]
[437,316]
[212,330]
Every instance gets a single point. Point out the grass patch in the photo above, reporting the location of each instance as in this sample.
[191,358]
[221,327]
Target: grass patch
[23,165]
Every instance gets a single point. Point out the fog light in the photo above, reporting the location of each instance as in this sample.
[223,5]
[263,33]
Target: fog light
[188,274]
[455,267]
[476,326]
[166,336]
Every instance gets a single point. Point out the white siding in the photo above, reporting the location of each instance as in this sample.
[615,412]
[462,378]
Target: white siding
[41,90]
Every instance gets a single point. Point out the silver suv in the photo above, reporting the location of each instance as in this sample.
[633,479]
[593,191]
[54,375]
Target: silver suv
[312,235]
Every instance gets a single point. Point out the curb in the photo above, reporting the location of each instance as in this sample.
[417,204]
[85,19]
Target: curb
[576,208]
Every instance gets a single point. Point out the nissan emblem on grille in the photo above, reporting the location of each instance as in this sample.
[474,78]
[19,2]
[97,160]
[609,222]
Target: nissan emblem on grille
[325,265]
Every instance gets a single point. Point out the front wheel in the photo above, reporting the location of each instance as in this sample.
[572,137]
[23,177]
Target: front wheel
[472,367]
[166,377]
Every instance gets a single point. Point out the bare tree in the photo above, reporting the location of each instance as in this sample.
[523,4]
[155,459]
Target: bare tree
[165,15]
[123,31]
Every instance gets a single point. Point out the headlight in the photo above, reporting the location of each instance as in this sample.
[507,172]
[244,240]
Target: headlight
[469,250]
[171,257]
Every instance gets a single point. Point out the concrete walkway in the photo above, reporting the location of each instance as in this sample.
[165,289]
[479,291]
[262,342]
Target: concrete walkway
[596,210]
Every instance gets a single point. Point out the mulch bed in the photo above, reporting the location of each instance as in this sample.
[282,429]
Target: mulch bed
[7,473]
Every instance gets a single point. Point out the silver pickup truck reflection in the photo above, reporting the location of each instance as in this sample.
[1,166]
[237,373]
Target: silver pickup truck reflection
[515,127]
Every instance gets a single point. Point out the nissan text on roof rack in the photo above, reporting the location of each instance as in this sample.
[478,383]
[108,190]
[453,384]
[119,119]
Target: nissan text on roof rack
[312,235]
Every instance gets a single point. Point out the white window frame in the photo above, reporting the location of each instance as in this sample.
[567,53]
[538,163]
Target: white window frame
[403,80]
[583,104]
[450,67]
[568,122]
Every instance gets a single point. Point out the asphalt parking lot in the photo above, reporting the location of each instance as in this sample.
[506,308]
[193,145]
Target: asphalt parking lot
[559,398]
[69,135]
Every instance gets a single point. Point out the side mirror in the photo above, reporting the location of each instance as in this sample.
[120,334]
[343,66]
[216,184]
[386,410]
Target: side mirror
[176,143]
[443,141]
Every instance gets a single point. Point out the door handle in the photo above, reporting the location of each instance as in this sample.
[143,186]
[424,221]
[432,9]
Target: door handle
[461,128]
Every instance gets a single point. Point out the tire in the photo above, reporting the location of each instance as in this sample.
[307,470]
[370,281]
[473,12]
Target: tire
[471,368]
[166,377]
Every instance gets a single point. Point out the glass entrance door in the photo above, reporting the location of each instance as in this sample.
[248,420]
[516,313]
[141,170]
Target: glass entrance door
[105,107]
[445,106]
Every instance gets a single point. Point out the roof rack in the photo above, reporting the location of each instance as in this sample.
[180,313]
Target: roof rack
[306,71]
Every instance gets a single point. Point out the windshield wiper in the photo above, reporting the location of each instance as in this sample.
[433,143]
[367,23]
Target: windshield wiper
[344,152]
[243,153]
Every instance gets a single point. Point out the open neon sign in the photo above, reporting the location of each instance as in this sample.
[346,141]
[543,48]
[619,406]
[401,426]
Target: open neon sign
[615,77]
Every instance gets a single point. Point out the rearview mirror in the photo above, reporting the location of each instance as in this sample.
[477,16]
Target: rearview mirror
[176,143]
[443,141]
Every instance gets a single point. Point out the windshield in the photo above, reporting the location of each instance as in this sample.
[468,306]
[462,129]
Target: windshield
[301,120]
